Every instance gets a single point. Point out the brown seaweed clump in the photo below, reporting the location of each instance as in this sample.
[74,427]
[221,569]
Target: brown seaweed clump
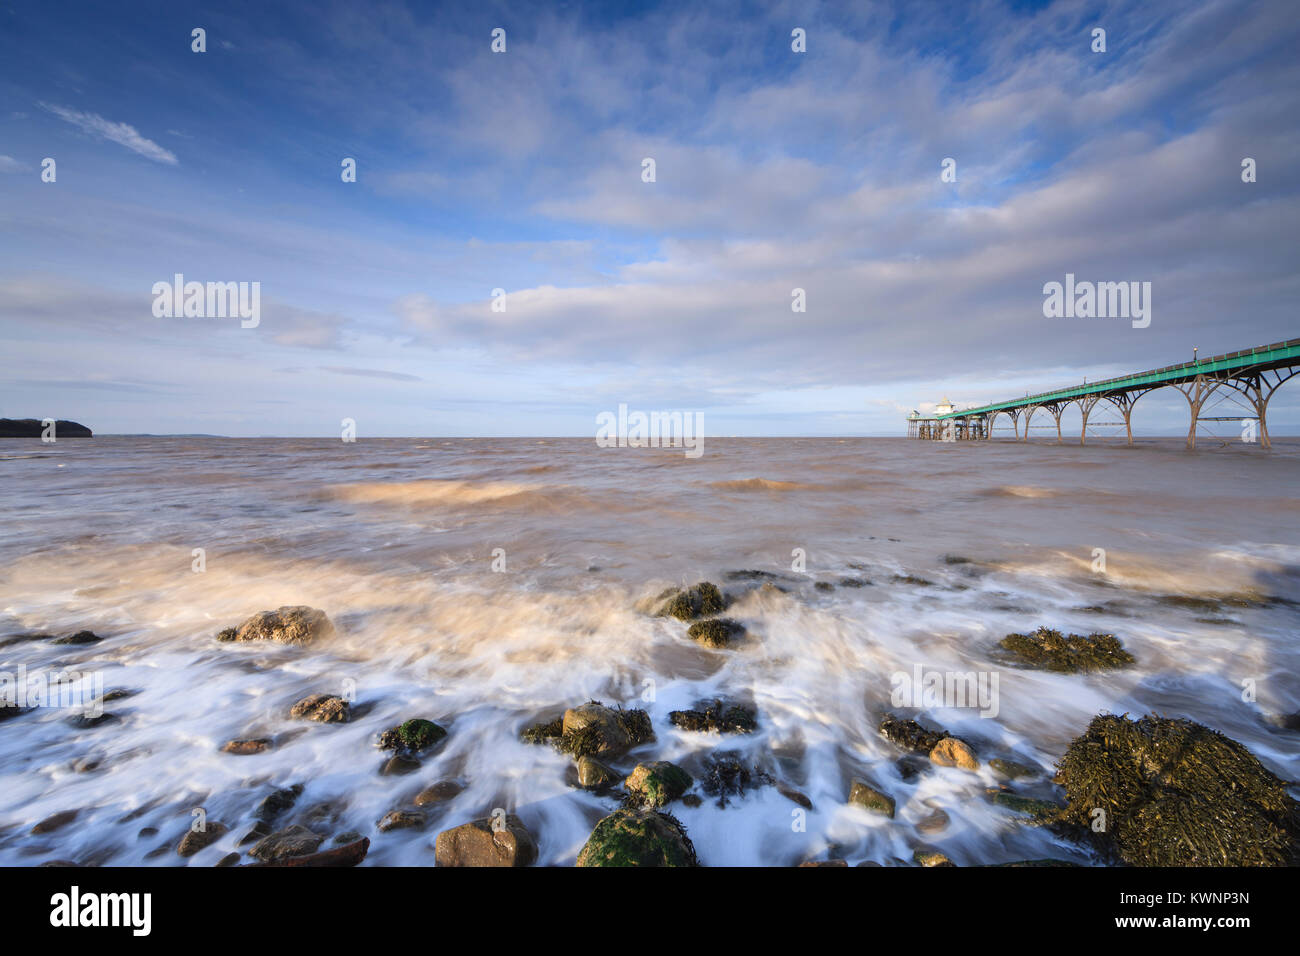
[592,729]
[703,600]
[1176,793]
[1047,649]
[716,716]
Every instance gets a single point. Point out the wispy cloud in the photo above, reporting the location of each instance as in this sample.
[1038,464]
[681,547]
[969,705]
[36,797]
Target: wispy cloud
[10,165]
[124,134]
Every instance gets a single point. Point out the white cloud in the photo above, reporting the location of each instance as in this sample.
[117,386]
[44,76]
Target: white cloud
[124,134]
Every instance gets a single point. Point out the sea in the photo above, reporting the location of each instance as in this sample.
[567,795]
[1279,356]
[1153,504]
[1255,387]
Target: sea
[489,584]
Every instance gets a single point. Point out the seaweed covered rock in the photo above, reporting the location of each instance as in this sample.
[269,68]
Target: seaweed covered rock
[500,841]
[1039,811]
[638,838]
[725,775]
[414,735]
[296,624]
[1177,793]
[592,729]
[703,600]
[1050,650]
[715,716]
[715,632]
[910,735]
[657,784]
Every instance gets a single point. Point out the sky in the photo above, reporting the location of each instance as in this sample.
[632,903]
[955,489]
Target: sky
[522,170]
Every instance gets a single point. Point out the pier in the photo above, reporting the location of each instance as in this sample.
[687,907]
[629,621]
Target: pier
[1248,379]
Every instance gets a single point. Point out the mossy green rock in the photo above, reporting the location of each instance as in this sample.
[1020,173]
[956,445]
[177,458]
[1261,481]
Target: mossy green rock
[1012,770]
[1047,649]
[1176,793]
[638,838]
[416,734]
[657,784]
[866,796]
[1042,811]
[703,600]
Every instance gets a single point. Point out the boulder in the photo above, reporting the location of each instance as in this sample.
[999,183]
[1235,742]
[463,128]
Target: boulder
[866,796]
[596,730]
[1012,770]
[954,752]
[414,735]
[438,793]
[196,840]
[657,784]
[246,746]
[81,637]
[480,843]
[402,820]
[324,708]
[295,624]
[638,838]
[289,842]
[594,775]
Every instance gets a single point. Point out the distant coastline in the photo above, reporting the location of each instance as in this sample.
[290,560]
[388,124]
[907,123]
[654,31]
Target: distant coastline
[35,428]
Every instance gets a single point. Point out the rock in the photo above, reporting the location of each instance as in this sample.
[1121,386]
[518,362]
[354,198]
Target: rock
[911,767]
[348,836]
[438,793]
[91,721]
[259,830]
[1176,793]
[1047,649]
[692,800]
[286,625]
[854,583]
[278,802]
[55,821]
[594,775]
[703,600]
[415,735]
[953,752]
[35,428]
[196,840]
[81,637]
[1012,770]
[715,632]
[791,794]
[399,764]
[805,863]
[402,820]
[349,855]
[283,844]
[638,838]
[146,832]
[824,586]
[867,796]
[715,717]
[246,746]
[230,859]
[910,735]
[935,822]
[479,844]
[1043,811]
[657,784]
[324,708]
[928,856]
[594,729]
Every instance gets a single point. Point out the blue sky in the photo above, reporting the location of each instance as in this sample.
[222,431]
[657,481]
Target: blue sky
[522,171]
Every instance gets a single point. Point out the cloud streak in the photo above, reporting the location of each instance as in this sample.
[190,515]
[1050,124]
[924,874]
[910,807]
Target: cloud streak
[124,134]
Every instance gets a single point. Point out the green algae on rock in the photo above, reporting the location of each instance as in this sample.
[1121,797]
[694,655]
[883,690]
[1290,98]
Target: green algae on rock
[869,798]
[1176,793]
[414,735]
[656,784]
[1040,811]
[638,838]
[1047,649]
